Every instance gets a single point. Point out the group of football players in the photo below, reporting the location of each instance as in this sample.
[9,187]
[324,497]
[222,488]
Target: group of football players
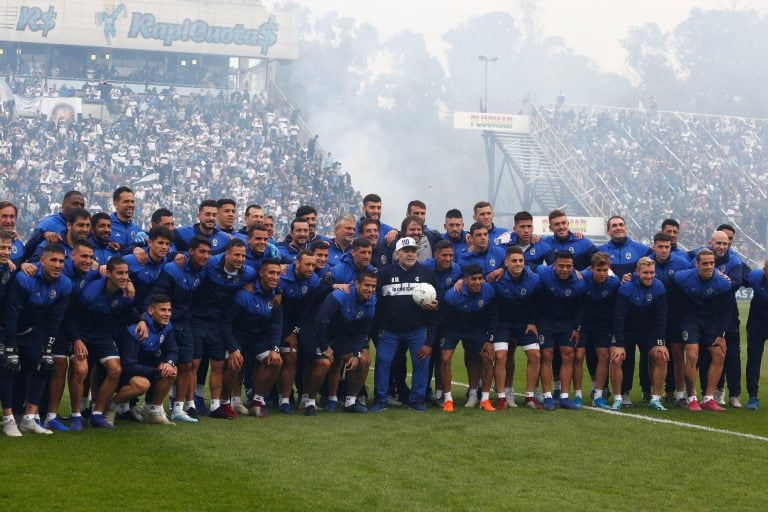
[133,316]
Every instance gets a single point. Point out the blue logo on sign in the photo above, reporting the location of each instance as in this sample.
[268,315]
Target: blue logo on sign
[34,19]
[108,20]
[199,31]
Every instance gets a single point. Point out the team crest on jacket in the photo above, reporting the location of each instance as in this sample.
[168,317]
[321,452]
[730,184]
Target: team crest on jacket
[648,297]
[568,292]
[492,262]
[523,291]
[82,283]
[52,294]
[722,268]
[628,255]
[685,335]
[532,251]
[383,259]
[709,291]
[14,249]
[215,242]
[359,314]
[448,281]
[196,283]
[605,293]
[481,302]
[304,289]
[162,338]
[416,279]
[571,250]
[114,303]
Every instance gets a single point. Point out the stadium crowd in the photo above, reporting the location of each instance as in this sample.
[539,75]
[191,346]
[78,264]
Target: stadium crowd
[92,305]
[700,170]
[171,150]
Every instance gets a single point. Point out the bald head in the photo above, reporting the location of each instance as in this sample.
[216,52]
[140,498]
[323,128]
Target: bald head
[719,243]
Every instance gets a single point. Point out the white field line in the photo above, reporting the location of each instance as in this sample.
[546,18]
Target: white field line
[654,419]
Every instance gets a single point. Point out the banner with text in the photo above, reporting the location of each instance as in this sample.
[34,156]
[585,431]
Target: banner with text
[491,122]
[237,28]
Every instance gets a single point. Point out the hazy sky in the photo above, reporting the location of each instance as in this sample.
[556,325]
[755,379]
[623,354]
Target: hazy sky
[591,27]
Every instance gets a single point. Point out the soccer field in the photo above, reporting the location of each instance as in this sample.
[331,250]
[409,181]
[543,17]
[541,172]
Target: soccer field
[400,459]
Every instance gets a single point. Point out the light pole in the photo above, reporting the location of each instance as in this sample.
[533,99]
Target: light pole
[486,60]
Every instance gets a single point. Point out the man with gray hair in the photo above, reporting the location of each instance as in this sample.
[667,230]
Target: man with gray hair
[343,235]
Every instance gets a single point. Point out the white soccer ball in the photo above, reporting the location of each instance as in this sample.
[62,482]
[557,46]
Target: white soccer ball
[423,293]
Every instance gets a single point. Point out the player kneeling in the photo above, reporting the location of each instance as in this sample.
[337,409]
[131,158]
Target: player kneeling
[640,315]
[149,365]
[342,325]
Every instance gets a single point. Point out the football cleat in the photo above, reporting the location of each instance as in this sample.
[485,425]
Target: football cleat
[711,405]
[56,425]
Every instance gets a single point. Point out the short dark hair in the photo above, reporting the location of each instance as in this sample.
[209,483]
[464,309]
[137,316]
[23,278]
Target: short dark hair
[226,200]
[555,214]
[564,255]
[77,213]
[159,214]
[160,232]
[54,249]
[362,274]
[305,209]
[73,193]
[726,227]
[96,217]
[82,243]
[118,191]
[416,202]
[113,262]
[443,244]
[475,226]
[471,269]
[197,241]
[294,221]
[256,227]
[480,204]
[360,243]
[207,203]
[612,217]
[515,249]
[366,221]
[251,207]
[453,213]
[304,252]
[270,261]
[371,198]
[661,237]
[521,216]
[159,298]
[234,242]
[670,222]
[319,244]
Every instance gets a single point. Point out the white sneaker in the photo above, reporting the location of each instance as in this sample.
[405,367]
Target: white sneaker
[719,396]
[182,417]
[472,401]
[10,429]
[626,401]
[33,427]
[158,418]
[735,402]
[511,401]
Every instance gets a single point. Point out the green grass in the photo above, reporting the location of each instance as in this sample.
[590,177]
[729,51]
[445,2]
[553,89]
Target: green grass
[397,460]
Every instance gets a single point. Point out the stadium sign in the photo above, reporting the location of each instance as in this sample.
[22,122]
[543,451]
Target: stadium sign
[491,122]
[234,28]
